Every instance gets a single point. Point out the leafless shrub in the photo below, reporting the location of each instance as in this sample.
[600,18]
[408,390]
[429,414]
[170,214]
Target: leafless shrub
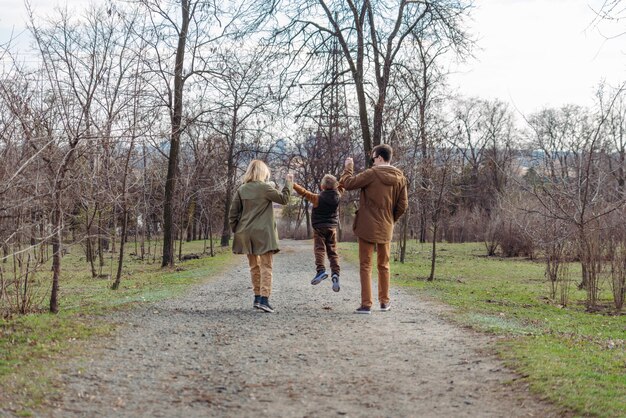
[492,235]
[557,269]
[465,226]
[591,252]
[514,242]
[20,289]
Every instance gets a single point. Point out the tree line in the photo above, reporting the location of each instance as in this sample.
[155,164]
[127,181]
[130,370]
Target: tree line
[132,122]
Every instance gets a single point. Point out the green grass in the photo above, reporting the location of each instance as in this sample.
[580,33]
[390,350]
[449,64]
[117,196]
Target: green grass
[574,358]
[31,344]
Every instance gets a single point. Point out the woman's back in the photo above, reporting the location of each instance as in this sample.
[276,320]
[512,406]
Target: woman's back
[252,217]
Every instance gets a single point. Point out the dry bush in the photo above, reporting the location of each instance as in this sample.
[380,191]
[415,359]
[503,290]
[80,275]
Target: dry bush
[288,229]
[464,226]
[492,233]
[514,241]
[557,269]
[20,288]
[592,253]
[519,227]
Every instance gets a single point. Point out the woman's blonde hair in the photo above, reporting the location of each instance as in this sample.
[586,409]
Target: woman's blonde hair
[257,171]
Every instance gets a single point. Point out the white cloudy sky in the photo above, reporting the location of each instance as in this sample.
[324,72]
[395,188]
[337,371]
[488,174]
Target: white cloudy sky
[533,53]
[537,53]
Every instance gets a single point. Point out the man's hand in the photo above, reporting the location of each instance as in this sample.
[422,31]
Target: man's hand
[290,177]
[349,162]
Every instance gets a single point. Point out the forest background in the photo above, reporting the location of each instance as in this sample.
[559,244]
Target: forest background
[126,126]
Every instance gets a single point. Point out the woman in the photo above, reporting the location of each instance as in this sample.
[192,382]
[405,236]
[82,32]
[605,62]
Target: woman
[252,222]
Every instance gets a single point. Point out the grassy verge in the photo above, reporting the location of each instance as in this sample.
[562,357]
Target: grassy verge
[574,358]
[31,344]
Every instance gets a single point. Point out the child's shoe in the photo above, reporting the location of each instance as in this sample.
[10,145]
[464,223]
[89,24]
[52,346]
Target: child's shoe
[257,301]
[321,275]
[335,279]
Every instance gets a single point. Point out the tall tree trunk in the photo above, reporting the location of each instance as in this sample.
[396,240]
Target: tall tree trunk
[100,241]
[433,255]
[142,244]
[120,260]
[230,181]
[124,234]
[230,185]
[172,166]
[190,227]
[91,256]
[57,221]
[404,235]
[423,227]
[363,118]
[307,215]
[181,236]
[195,223]
[211,238]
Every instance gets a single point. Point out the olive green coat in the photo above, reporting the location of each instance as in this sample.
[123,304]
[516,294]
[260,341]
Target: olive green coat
[252,217]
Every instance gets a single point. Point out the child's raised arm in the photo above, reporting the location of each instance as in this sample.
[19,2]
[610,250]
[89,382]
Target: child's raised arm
[311,197]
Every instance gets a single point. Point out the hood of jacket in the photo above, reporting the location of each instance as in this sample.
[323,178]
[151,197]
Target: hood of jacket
[388,174]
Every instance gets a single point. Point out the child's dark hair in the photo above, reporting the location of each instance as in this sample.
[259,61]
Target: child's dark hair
[384,151]
[329,182]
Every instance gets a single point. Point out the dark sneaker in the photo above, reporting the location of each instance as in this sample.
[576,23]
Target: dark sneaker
[335,280]
[264,305]
[321,275]
[363,310]
[385,306]
[257,301]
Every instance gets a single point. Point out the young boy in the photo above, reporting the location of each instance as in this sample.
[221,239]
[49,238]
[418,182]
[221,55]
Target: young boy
[324,219]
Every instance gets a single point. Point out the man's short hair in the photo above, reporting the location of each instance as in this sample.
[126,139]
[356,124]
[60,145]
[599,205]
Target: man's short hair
[384,151]
[329,182]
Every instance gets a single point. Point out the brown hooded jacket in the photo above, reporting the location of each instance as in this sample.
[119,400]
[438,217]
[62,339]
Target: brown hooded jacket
[382,201]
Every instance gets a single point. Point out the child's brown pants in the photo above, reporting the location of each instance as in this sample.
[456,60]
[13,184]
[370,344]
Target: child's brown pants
[325,244]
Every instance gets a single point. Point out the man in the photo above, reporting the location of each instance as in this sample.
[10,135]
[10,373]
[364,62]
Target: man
[383,199]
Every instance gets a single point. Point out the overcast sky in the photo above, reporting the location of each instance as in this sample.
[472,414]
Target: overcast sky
[537,53]
[533,53]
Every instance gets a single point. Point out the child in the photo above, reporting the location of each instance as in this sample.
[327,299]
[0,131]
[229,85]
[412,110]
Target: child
[324,219]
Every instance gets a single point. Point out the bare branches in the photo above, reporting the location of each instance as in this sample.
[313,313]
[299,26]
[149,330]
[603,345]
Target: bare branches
[610,12]
[373,37]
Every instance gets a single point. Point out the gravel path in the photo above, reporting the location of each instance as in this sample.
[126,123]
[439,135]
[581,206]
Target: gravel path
[210,353]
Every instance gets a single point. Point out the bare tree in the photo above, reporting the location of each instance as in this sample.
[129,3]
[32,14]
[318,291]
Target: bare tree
[22,192]
[613,103]
[420,93]
[136,129]
[573,186]
[74,64]
[372,36]
[242,83]
[172,22]
[181,35]
[317,154]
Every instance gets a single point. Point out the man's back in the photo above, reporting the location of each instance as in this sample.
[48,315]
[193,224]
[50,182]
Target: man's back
[383,200]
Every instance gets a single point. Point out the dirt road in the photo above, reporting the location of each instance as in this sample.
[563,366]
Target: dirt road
[210,353]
